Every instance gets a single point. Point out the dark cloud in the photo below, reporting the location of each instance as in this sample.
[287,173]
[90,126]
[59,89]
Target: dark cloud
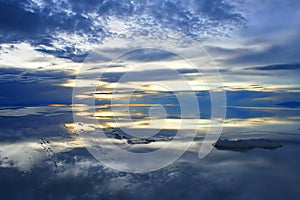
[271,35]
[14,19]
[225,50]
[39,27]
[18,23]
[67,52]
[39,24]
[277,53]
[19,75]
[148,75]
[147,55]
[276,67]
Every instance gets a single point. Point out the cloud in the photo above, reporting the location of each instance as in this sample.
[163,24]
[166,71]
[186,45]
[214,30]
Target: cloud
[276,67]
[271,35]
[148,55]
[20,75]
[42,23]
[267,53]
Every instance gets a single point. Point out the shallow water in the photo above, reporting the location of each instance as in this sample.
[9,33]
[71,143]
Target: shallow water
[40,158]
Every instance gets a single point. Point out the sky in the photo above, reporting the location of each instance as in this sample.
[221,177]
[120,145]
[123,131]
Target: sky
[148,66]
[45,40]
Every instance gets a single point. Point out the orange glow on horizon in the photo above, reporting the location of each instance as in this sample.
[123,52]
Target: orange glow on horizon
[64,105]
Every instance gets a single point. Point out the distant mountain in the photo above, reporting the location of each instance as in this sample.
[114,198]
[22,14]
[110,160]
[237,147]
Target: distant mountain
[290,104]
